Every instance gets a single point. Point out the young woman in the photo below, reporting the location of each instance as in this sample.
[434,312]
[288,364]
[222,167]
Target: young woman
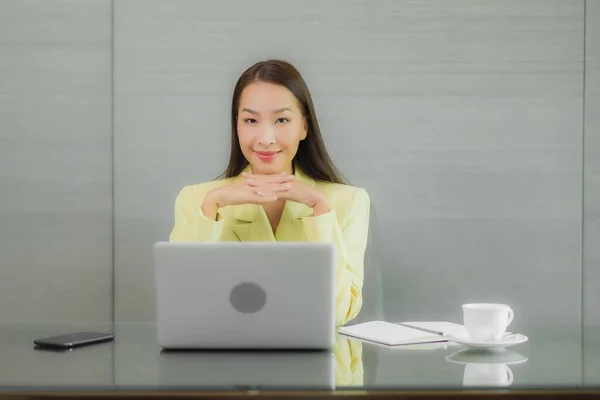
[280,184]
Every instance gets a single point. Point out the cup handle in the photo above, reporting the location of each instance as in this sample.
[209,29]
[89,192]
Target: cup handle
[511,315]
[510,375]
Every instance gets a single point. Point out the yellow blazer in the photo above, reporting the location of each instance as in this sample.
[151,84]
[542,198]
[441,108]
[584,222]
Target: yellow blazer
[345,225]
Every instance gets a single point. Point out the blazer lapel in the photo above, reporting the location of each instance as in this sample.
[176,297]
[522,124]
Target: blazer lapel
[290,227]
[252,224]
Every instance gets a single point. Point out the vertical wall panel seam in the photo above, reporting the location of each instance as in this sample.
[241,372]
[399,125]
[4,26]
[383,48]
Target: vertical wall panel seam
[112,29]
[583,176]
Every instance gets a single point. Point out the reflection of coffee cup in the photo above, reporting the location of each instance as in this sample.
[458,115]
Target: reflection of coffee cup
[486,322]
[487,375]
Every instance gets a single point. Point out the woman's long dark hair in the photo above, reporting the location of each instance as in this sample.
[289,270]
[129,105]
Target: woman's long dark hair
[311,157]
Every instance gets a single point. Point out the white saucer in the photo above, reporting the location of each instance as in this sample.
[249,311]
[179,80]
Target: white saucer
[464,339]
[476,356]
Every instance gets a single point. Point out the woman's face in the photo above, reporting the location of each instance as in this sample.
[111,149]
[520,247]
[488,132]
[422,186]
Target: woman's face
[270,126]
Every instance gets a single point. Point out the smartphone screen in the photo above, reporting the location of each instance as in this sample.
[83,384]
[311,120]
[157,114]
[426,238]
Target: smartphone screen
[74,339]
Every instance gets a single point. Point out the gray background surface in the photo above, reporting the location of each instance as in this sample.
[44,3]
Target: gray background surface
[55,160]
[591,223]
[466,117]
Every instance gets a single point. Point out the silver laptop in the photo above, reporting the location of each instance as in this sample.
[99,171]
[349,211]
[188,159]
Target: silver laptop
[245,295]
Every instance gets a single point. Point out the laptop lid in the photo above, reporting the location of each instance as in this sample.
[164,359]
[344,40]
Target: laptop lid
[235,295]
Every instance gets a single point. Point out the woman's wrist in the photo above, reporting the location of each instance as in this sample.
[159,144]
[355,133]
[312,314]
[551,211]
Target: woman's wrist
[321,206]
[210,205]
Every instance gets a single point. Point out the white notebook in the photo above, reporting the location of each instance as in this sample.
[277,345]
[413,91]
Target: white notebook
[392,334]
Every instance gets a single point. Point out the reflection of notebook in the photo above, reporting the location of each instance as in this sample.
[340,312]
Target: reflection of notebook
[393,334]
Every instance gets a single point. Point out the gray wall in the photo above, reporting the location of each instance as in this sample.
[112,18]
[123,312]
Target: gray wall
[468,114]
[592,166]
[591,253]
[55,160]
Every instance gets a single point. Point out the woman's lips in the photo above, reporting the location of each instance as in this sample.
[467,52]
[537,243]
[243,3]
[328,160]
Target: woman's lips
[267,155]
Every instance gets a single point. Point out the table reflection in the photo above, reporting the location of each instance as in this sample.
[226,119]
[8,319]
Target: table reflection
[487,368]
[349,369]
[262,369]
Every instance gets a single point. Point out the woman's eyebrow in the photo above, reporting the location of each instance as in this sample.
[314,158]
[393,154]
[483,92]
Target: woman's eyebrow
[279,110]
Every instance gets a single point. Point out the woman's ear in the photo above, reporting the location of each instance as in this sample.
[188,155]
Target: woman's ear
[305,132]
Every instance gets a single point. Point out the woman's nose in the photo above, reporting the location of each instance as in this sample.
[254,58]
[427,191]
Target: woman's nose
[267,137]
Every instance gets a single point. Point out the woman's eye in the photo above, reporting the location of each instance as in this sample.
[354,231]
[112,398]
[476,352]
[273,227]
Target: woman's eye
[283,120]
[250,120]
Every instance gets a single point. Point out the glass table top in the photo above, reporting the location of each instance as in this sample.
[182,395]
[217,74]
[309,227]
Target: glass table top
[555,357]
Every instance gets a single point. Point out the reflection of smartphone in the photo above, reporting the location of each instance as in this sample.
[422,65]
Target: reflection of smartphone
[74,339]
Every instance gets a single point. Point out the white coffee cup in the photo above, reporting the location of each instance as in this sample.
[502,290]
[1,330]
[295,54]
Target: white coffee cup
[486,322]
[487,375]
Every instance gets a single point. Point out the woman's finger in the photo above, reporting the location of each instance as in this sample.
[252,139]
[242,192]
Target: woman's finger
[270,178]
[253,183]
[282,187]
[265,194]
[273,188]
[277,185]
[262,196]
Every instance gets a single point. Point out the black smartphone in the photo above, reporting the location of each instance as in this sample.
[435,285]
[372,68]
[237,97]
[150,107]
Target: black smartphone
[74,339]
